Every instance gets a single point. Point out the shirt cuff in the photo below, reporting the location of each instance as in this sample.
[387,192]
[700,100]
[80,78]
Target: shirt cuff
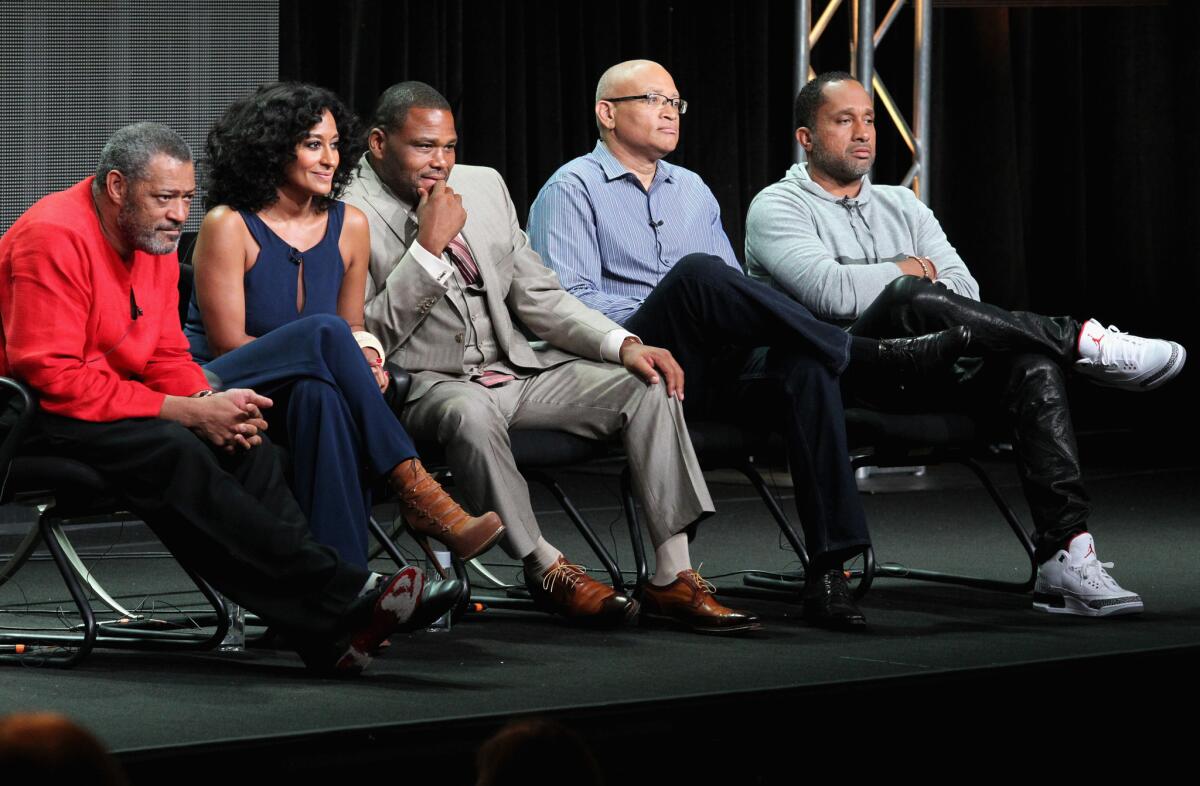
[367,341]
[438,269]
[610,347]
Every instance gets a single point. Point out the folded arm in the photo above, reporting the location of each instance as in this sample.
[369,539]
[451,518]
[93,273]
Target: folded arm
[932,243]
[782,240]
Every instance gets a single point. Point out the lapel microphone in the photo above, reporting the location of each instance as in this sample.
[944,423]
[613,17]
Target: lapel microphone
[134,311]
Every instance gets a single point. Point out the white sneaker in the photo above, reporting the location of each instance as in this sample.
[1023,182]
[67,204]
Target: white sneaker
[1110,357]
[1076,582]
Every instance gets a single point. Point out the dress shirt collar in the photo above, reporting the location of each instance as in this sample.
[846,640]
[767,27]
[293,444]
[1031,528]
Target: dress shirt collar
[614,169]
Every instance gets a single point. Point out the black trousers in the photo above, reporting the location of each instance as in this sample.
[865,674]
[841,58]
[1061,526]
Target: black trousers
[1018,384]
[753,355]
[228,517]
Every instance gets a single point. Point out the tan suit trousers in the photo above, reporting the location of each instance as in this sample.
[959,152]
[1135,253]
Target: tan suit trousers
[582,397]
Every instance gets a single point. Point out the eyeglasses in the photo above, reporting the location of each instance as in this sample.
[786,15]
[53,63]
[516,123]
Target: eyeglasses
[653,99]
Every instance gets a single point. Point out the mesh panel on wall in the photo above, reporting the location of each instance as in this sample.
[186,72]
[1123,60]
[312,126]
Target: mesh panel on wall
[74,71]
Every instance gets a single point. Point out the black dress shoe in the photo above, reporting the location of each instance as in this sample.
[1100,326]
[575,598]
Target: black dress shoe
[437,598]
[406,602]
[829,604]
[924,353]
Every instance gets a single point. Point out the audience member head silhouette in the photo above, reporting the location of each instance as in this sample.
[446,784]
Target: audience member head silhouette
[533,751]
[45,747]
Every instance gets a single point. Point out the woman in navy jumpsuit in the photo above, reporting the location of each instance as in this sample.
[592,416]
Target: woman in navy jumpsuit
[280,270]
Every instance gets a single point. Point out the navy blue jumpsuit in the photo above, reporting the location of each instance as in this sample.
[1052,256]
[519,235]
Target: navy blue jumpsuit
[328,410]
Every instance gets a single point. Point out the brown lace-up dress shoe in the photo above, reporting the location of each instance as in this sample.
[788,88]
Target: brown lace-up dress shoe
[567,590]
[688,602]
[431,513]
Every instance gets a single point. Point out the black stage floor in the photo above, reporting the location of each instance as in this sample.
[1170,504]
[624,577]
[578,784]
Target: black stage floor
[948,653]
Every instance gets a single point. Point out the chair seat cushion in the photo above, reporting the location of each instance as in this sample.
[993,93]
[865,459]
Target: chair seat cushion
[939,429]
[76,487]
[543,449]
[718,443]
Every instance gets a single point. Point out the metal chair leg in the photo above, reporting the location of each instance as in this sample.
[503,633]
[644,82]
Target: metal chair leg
[635,530]
[85,641]
[581,524]
[65,649]
[386,543]
[764,491]
[53,532]
[872,569]
[21,555]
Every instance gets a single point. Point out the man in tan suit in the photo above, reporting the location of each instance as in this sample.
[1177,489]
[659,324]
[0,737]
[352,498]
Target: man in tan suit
[451,278]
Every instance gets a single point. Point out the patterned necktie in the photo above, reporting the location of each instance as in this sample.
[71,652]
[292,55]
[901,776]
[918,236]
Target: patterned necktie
[460,255]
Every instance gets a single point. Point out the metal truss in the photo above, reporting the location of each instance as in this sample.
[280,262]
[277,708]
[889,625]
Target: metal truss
[865,37]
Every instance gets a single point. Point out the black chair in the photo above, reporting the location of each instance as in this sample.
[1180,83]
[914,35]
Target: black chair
[65,492]
[891,440]
[880,439]
[721,445]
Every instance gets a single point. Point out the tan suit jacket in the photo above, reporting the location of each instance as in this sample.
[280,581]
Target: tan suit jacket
[423,330]
[401,294]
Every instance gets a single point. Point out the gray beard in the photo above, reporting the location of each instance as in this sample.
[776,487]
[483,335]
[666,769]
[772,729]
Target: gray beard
[840,169]
[143,238]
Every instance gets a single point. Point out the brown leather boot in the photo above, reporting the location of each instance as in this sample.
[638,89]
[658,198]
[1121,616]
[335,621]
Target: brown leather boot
[431,513]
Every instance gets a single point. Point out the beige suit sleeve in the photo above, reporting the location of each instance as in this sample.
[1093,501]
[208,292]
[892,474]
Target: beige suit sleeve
[400,293]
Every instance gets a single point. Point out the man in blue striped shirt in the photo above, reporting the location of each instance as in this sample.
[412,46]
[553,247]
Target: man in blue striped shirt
[641,241]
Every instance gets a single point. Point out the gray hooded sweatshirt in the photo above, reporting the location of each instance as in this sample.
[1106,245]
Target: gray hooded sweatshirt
[835,255]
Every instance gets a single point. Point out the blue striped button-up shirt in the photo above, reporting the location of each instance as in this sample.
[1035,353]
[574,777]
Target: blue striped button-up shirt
[610,240]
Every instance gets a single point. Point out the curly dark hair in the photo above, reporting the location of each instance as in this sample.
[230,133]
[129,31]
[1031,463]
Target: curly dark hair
[812,96]
[256,138]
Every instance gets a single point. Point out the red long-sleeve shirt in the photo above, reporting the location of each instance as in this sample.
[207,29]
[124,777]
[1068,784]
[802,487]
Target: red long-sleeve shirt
[66,326]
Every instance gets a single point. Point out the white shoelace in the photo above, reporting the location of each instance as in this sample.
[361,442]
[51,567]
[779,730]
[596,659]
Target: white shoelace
[1125,352]
[569,574]
[1094,569]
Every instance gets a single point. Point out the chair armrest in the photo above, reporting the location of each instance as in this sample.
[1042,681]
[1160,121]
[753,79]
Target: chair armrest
[396,394]
[10,390]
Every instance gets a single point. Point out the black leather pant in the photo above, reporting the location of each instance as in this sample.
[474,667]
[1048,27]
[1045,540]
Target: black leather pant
[1018,383]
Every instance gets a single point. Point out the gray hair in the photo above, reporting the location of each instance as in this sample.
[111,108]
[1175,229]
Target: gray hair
[392,108]
[130,150]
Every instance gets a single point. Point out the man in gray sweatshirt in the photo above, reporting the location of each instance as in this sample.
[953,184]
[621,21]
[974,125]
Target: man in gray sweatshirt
[875,259]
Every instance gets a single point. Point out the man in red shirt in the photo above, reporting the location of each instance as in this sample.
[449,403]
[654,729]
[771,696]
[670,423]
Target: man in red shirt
[89,319]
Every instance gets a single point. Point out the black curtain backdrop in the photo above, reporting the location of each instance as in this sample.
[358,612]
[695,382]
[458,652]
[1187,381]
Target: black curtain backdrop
[521,77]
[1062,140]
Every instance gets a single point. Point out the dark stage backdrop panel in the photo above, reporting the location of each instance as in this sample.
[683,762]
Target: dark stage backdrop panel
[1065,166]
[74,71]
[521,77]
